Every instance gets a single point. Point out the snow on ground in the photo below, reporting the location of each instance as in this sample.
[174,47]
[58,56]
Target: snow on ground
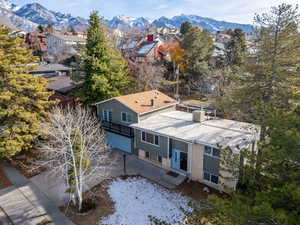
[136,198]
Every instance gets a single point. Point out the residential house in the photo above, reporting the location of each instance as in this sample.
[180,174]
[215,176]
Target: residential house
[222,37]
[64,44]
[37,42]
[148,125]
[60,82]
[128,45]
[146,51]
[117,114]
[190,144]
[18,33]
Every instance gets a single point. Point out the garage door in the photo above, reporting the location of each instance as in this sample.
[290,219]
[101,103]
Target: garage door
[119,142]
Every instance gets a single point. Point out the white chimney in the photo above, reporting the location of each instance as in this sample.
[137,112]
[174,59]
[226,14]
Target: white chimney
[198,116]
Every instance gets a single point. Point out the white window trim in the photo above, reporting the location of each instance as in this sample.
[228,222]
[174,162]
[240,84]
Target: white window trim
[209,181]
[149,142]
[212,149]
[126,117]
[107,110]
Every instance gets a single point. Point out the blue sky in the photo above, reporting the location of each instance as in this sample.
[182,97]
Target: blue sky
[240,11]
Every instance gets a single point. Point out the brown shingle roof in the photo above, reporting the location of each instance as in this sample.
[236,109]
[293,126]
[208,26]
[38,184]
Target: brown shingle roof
[141,102]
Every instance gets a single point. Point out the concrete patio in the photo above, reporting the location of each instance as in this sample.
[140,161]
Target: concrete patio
[135,166]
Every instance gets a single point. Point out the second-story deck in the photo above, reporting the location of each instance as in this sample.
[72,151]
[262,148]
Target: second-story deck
[118,128]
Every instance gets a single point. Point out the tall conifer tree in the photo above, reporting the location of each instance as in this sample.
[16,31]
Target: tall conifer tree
[23,97]
[106,70]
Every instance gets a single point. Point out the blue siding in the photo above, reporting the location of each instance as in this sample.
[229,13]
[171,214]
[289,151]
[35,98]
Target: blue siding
[119,142]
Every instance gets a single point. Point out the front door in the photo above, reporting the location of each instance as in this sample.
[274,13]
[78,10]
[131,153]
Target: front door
[179,160]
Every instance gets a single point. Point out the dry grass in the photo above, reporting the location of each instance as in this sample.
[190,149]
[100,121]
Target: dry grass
[25,163]
[195,190]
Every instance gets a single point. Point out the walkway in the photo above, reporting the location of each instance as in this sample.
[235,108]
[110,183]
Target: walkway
[25,204]
[135,166]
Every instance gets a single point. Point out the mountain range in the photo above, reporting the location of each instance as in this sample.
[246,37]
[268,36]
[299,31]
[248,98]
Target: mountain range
[29,16]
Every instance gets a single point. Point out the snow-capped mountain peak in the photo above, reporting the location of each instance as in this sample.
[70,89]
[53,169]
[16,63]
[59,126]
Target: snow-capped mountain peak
[28,17]
[41,15]
[207,23]
[5,4]
[125,22]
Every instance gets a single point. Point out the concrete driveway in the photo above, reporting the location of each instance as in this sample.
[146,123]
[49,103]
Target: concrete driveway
[25,204]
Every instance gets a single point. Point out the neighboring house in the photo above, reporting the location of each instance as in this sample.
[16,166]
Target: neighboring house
[127,45]
[219,49]
[64,44]
[146,52]
[37,42]
[60,82]
[18,33]
[222,37]
[140,50]
[51,68]
[148,125]
[117,114]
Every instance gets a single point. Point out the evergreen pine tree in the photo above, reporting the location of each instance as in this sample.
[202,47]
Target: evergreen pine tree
[106,70]
[40,28]
[23,97]
[198,47]
[236,48]
[185,27]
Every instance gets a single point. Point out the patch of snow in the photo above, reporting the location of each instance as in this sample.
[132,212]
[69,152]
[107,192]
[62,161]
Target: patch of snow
[136,199]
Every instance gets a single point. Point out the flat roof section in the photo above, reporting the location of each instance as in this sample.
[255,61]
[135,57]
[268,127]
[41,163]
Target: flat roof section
[214,132]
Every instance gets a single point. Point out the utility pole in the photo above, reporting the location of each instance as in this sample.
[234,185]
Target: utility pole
[124,164]
[177,82]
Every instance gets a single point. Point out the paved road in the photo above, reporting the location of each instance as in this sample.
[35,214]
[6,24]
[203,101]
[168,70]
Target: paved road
[26,204]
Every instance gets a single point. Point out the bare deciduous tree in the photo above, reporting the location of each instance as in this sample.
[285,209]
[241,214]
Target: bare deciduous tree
[75,149]
[149,76]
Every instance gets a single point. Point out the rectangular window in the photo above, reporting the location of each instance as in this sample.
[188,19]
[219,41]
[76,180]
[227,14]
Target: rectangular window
[156,140]
[210,151]
[126,117]
[150,138]
[147,155]
[214,179]
[216,152]
[211,178]
[104,115]
[206,176]
[107,115]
